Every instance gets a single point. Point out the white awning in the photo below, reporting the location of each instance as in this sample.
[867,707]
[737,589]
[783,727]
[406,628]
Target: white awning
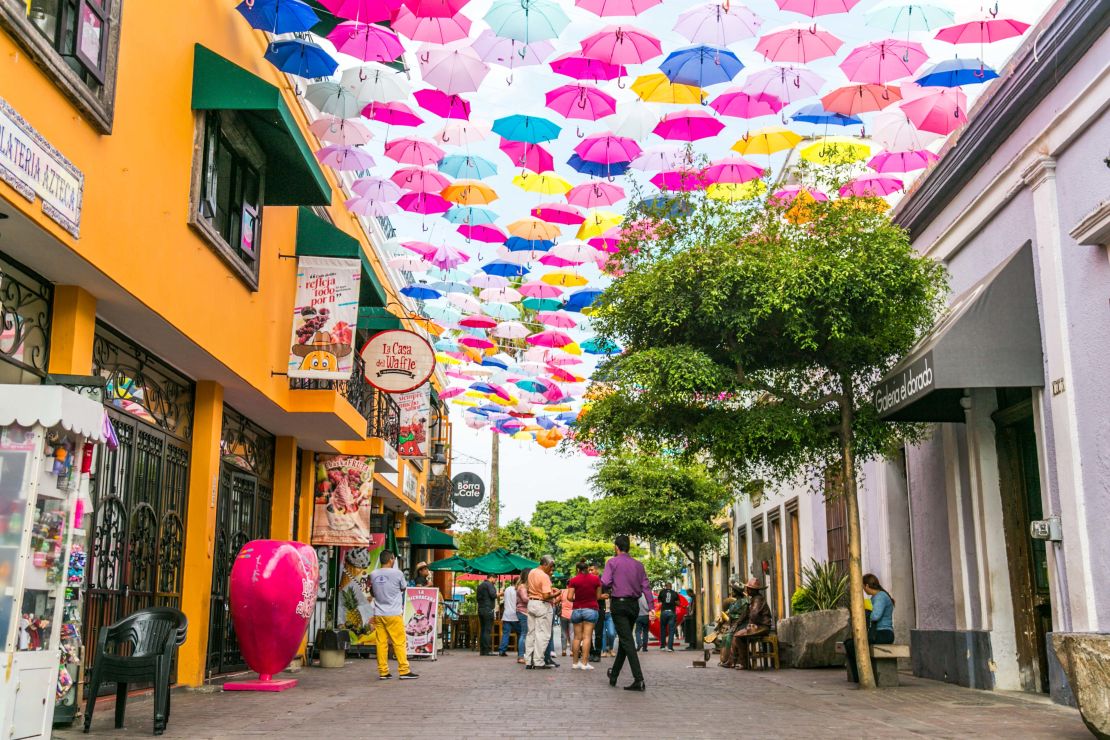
[51,406]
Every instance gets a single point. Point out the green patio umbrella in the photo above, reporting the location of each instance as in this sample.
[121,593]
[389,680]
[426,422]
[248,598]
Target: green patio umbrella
[453,564]
[496,563]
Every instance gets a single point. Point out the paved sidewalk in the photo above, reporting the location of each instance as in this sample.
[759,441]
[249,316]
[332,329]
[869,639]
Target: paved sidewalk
[464,696]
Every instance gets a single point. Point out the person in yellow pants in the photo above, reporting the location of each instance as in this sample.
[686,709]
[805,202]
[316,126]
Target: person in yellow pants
[387,584]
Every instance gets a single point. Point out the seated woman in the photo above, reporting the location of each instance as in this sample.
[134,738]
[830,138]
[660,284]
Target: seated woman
[755,622]
[880,627]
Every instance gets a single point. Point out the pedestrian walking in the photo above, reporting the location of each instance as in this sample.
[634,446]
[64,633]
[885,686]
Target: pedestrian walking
[487,603]
[599,646]
[565,609]
[626,580]
[522,613]
[540,596]
[668,604]
[387,585]
[583,592]
[643,623]
[510,623]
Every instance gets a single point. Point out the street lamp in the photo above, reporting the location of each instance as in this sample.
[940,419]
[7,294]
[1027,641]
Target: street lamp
[439,459]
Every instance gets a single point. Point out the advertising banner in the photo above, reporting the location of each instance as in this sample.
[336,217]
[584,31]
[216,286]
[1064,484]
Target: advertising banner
[341,515]
[356,613]
[325,314]
[421,612]
[397,360]
[416,416]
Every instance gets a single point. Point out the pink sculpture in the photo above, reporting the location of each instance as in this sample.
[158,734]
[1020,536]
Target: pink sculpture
[273,593]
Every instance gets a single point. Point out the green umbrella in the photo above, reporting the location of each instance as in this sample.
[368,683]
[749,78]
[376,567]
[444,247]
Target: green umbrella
[494,563]
[521,562]
[453,564]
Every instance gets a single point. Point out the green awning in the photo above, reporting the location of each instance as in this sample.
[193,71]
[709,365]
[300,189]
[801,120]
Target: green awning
[294,177]
[421,535]
[374,319]
[318,238]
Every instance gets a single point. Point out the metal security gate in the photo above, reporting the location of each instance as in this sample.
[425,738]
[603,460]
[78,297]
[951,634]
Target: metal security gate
[243,513]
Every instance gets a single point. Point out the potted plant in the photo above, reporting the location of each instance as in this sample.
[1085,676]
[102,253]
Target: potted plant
[808,638]
[331,645]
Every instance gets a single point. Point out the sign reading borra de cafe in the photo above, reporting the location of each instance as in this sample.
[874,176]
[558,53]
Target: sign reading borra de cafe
[467,490]
[398,361]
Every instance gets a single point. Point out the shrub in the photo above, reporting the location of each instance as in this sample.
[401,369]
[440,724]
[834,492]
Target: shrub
[799,602]
[823,587]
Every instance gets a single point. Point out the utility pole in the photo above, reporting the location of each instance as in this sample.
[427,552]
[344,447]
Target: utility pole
[494,481]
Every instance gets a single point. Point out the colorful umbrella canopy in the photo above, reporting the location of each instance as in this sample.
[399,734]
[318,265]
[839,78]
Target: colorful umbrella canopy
[700,66]
[544,183]
[301,58]
[688,125]
[579,67]
[345,157]
[956,72]
[594,194]
[558,213]
[608,148]
[527,129]
[469,193]
[816,113]
[333,99]
[494,49]
[871,187]
[434,30]
[622,45]
[788,84]
[420,180]
[367,11]
[528,156]
[836,150]
[373,82]
[341,131]
[656,88]
[581,101]
[883,61]
[814,8]
[393,113]
[916,159]
[800,44]
[731,169]
[366,41]
[855,99]
[909,18]
[443,104]
[470,215]
[409,150]
[461,133]
[941,110]
[616,7]
[467,166]
[527,20]
[739,104]
[982,31]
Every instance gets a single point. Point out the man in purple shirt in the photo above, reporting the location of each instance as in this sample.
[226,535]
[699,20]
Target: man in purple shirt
[625,579]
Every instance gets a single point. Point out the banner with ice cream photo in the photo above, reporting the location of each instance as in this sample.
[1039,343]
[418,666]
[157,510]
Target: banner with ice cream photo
[325,314]
[421,612]
[356,613]
[341,515]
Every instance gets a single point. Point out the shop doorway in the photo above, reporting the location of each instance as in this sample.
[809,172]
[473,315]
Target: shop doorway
[1020,488]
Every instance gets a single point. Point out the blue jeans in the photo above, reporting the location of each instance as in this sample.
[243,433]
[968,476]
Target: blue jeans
[666,630]
[642,632]
[608,633]
[509,628]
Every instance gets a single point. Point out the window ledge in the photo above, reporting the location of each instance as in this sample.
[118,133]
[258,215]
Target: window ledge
[98,109]
[221,248]
[1094,228]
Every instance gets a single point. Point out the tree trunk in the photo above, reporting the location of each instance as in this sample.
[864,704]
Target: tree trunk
[855,572]
[494,482]
[697,603]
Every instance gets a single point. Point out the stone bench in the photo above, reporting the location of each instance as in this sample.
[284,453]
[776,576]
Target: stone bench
[884,658]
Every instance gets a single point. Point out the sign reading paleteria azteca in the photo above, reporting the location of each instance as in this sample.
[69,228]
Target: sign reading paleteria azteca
[398,361]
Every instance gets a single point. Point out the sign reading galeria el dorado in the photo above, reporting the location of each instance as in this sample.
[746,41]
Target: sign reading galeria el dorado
[398,361]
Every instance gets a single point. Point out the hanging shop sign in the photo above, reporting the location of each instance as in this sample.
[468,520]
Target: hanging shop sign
[467,490]
[355,610]
[344,486]
[416,415]
[421,611]
[31,165]
[398,360]
[324,318]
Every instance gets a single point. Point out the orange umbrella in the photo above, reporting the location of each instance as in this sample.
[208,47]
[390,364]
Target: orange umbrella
[534,229]
[469,193]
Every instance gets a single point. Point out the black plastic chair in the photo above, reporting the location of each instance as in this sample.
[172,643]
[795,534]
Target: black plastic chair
[139,647]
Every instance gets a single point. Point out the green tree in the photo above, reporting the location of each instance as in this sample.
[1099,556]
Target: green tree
[522,539]
[666,567]
[561,520]
[754,335]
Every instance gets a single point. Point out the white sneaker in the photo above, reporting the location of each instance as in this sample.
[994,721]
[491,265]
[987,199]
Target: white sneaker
[587,667]
[575,667]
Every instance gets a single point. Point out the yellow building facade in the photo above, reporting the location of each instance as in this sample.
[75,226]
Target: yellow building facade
[132,249]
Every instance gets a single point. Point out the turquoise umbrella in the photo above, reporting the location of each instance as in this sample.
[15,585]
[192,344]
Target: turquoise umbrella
[528,129]
[467,167]
[471,215]
[542,304]
[446,314]
[910,17]
[527,20]
[501,311]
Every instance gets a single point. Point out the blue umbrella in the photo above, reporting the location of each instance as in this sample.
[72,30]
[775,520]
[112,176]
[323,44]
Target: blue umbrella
[597,346]
[495,362]
[279,16]
[505,269]
[701,65]
[520,244]
[449,286]
[467,167]
[816,113]
[301,58]
[473,215]
[956,72]
[446,344]
[567,417]
[544,421]
[421,292]
[529,129]
[597,169]
[581,299]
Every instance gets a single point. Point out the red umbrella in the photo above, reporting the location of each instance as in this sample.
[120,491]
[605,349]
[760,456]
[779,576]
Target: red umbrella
[529,156]
[367,42]
[420,180]
[688,125]
[393,114]
[982,32]
[798,44]
[883,61]
[578,67]
[581,101]
[595,194]
[413,151]
[942,110]
[608,149]
[478,322]
[739,104]
[855,99]
[442,104]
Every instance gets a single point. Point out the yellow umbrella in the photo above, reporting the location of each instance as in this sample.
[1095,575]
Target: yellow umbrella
[522,435]
[767,141]
[546,183]
[446,359]
[564,278]
[597,223]
[534,229]
[461,402]
[557,407]
[469,193]
[836,150]
[656,88]
[572,349]
[733,191]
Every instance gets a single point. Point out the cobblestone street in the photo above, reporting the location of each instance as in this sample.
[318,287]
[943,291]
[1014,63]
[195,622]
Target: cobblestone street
[463,695]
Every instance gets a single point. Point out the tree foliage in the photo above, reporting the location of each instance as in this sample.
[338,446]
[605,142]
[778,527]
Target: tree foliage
[664,567]
[522,539]
[562,520]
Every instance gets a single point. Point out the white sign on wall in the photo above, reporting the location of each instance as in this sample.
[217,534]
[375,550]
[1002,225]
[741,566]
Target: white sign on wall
[31,165]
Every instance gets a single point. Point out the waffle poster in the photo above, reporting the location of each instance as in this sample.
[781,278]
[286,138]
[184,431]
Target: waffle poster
[325,314]
[356,613]
[341,514]
[415,416]
[421,612]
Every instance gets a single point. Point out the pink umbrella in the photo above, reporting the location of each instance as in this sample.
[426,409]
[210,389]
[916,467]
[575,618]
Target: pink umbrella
[478,321]
[540,289]
[504,294]
[442,104]
[908,161]
[790,193]
[788,84]
[420,180]
[341,131]
[484,280]
[940,111]
[446,257]
[528,156]
[345,157]
[608,149]
[581,101]
[510,53]
[854,99]
[733,170]
[605,8]
[575,252]
[558,319]
[679,180]
[717,24]
[449,393]
[423,203]
[801,44]
[549,338]
[983,31]
[558,213]
[550,260]
[367,42]
[452,70]
[668,157]
[466,302]
[688,125]
[415,151]
[392,114]
[367,11]
[578,67]
[883,61]
[814,8]
[424,249]
[621,45]
[376,188]
[510,330]
[371,208]
[434,8]
[595,194]
[739,104]
[476,342]
[869,187]
[894,131]
[435,30]
[487,233]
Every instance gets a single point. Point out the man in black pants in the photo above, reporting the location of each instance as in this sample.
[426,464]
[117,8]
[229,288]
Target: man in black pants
[626,580]
[487,602]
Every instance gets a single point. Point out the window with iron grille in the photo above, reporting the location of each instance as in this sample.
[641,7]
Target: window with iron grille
[25,303]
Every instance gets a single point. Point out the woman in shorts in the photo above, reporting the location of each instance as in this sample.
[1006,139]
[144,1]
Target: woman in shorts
[583,592]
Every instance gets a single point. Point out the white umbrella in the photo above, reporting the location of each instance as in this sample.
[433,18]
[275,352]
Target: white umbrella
[333,99]
[375,83]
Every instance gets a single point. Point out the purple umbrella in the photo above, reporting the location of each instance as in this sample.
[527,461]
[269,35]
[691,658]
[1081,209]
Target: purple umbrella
[340,157]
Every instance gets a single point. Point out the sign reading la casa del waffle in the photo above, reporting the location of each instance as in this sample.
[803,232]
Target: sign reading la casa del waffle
[398,361]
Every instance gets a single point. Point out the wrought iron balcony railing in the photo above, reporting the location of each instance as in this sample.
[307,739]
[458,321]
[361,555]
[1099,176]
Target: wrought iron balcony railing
[383,417]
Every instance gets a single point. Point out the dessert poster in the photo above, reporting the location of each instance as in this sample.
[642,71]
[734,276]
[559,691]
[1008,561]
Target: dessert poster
[341,515]
[325,315]
[421,608]
[356,613]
